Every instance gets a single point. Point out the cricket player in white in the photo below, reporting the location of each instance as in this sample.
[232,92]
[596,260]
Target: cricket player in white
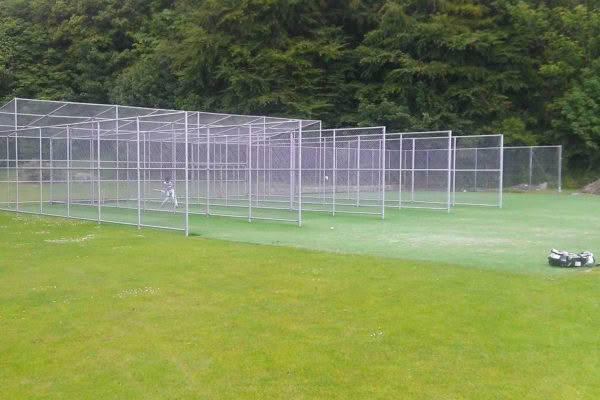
[169,192]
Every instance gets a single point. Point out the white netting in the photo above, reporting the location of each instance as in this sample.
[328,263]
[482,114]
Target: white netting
[148,167]
[477,168]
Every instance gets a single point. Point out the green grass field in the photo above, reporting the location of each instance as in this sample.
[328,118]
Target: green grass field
[421,305]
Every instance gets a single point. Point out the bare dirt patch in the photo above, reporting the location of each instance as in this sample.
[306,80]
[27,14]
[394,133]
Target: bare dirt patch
[592,188]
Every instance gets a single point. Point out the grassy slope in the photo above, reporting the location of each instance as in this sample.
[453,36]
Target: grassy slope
[146,314]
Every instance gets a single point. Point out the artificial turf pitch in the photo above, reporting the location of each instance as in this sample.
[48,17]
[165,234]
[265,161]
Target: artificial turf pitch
[421,305]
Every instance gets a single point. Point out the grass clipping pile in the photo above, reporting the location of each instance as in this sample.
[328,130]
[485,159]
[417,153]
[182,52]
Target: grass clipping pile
[592,188]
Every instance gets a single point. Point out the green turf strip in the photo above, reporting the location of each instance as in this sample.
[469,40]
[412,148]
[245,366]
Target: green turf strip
[517,237]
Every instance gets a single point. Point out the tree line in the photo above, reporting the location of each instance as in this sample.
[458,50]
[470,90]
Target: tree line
[529,69]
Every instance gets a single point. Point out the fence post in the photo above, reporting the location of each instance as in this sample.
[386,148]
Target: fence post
[449,170]
[299,173]
[8,176]
[530,167]
[17,153]
[226,170]
[249,160]
[127,163]
[382,172]
[334,171]
[560,169]
[291,156]
[358,173]
[455,152]
[173,158]
[139,202]
[320,163]
[501,171]
[198,158]
[98,171]
[207,171]
[51,173]
[41,176]
[400,172]
[187,197]
[412,183]
[68,171]
[145,171]
[117,134]
[17,165]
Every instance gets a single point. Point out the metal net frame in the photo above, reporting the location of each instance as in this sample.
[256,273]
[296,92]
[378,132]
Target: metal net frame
[478,164]
[119,164]
[419,170]
[533,168]
[343,171]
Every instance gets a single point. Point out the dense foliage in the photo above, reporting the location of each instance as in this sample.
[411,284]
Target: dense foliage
[528,69]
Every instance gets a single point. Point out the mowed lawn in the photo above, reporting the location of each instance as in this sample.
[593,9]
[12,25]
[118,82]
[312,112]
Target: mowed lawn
[93,311]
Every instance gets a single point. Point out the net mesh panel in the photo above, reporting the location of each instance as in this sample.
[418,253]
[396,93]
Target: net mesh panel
[342,170]
[532,168]
[425,172]
[417,170]
[478,170]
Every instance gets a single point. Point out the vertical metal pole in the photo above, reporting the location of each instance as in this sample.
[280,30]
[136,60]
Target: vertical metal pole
[117,134]
[382,173]
[530,166]
[449,197]
[41,176]
[197,168]
[17,165]
[291,156]
[16,121]
[127,164]
[51,172]
[187,199]
[264,166]
[238,165]
[91,166]
[214,158]
[501,185]
[145,170]
[226,170]
[98,171]
[270,167]
[400,172]
[173,173]
[198,158]
[358,172]
[249,160]
[334,172]
[348,170]
[412,183]
[139,188]
[319,164]
[476,166]
[560,169]
[207,172]
[455,152]
[299,173]
[8,176]
[68,171]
